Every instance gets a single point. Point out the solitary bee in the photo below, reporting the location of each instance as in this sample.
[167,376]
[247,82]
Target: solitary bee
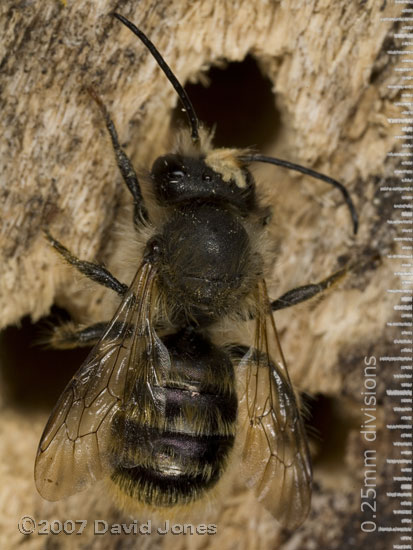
[159,403]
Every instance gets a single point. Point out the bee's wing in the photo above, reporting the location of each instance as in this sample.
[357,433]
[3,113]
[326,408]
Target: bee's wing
[275,456]
[76,447]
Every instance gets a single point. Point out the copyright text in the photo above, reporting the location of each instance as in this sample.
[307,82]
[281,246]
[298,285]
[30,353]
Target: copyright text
[28,526]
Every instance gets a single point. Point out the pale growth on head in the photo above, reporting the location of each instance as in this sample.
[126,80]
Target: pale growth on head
[226,162]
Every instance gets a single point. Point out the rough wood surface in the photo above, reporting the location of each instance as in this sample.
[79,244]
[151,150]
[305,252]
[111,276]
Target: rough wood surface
[329,68]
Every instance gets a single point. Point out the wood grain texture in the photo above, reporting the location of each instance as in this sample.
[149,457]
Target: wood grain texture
[329,71]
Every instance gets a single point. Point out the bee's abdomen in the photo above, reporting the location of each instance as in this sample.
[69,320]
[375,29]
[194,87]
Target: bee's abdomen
[177,469]
[171,456]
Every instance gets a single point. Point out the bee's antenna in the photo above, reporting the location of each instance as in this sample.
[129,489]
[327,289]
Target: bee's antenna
[313,174]
[183,96]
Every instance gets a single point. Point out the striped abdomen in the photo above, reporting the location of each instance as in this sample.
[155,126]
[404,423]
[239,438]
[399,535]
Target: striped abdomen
[171,456]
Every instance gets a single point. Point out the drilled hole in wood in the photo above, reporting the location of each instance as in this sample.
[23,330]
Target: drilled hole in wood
[238,102]
[330,422]
[32,375]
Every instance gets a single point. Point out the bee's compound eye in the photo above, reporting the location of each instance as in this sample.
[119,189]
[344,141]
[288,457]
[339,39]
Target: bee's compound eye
[176,175]
[206,177]
[168,168]
[170,175]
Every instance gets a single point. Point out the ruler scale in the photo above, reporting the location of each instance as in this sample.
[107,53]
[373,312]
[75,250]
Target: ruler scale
[399,428]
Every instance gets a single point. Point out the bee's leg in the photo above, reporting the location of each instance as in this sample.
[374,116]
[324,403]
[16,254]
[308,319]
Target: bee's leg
[306,292]
[97,273]
[68,336]
[129,176]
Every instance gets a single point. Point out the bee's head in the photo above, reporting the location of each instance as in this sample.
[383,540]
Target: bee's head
[217,176]
[195,171]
